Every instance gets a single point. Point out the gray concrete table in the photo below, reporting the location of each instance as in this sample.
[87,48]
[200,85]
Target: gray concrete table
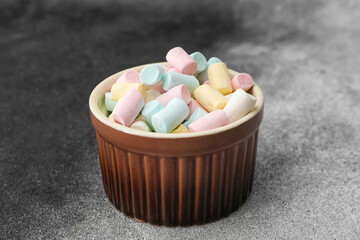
[304,55]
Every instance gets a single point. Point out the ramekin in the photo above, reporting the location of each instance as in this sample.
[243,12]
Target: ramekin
[176,179]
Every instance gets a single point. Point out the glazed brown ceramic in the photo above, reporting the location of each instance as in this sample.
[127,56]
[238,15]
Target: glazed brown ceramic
[176,179]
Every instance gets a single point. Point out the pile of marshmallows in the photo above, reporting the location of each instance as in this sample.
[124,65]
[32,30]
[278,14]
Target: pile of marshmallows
[190,95]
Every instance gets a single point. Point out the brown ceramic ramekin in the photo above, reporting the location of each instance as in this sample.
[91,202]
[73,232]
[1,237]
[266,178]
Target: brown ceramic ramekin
[176,179]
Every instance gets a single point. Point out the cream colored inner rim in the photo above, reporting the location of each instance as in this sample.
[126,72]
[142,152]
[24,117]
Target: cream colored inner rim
[99,91]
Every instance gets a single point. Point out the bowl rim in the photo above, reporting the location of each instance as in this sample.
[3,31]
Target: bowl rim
[102,88]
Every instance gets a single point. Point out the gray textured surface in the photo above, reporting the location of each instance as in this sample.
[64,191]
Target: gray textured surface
[304,55]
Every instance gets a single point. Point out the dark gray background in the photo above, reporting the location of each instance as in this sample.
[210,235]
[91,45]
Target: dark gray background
[303,54]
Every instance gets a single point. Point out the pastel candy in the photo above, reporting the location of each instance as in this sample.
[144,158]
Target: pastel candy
[213,60]
[128,107]
[239,105]
[110,104]
[119,89]
[200,59]
[203,76]
[243,81]
[211,120]
[207,82]
[151,74]
[172,69]
[180,129]
[157,87]
[130,76]
[173,79]
[210,98]
[193,105]
[219,78]
[150,109]
[178,58]
[140,124]
[151,94]
[171,116]
[111,118]
[180,91]
[228,96]
[195,116]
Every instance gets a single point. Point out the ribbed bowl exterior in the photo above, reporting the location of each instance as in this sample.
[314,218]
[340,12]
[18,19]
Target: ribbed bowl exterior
[178,191]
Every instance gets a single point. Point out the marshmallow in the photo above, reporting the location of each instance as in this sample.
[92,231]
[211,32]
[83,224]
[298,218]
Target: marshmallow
[243,81]
[151,74]
[111,118]
[210,98]
[157,87]
[119,89]
[228,96]
[200,60]
[140,124]
[110,104]
[128,107]
[150,109]
[171,116]
[178,58]
[195,116]
[173,79]
[180,91]
[211,120]
[239,105]
[172,69]
[193,105]
[151,94]
[130,76]
[180,129]
[219,78]
[203,76]
[207,82]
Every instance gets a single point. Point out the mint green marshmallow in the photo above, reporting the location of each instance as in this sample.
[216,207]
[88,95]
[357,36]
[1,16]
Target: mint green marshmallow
[150,109]
[198,113]
[200,59]
[173,79]
[171,116]
[151,74]
[110,104]
[212,61]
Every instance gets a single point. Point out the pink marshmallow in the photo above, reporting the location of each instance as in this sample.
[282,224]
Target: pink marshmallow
[128,107]
[180,91]
[207,82]
[159,87]
[181,60]
[172,69]
[243,81]
[211,120]
[130,76]
[193,105]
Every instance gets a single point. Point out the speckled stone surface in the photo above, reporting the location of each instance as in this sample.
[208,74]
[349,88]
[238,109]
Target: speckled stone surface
[303,54]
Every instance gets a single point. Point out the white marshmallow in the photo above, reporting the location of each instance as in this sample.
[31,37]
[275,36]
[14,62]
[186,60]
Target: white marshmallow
[239,105]
[141,125]
[228,96]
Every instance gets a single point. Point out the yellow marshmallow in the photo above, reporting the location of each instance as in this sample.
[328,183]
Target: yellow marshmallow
[210,98]
[219,78]
[151,94]
[119,89]
[180,129]
[111,117]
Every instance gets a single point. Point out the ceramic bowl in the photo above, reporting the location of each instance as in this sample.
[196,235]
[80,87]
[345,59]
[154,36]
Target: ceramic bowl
[176,179]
